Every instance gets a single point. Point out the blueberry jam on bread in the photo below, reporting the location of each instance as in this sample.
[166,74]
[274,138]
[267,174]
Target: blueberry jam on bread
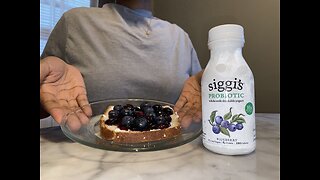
[135,124]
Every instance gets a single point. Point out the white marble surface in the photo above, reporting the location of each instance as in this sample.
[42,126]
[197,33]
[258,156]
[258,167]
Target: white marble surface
[63,159]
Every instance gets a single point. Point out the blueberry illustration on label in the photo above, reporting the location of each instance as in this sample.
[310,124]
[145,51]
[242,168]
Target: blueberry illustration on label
[228,123]
[232,127]
[225,124]
[216,129]
[218,119]
[239,126]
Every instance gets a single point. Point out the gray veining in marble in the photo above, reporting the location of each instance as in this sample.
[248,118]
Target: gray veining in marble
[63,159]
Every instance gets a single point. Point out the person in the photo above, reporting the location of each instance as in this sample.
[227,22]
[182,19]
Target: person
[118,51]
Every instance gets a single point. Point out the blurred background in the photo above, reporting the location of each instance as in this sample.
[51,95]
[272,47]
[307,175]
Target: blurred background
[260,19]
[261,22]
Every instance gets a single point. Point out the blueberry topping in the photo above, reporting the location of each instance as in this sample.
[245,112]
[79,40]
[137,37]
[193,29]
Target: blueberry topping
[167,111]
[136,109]
[127,121]
[148,109]
[113,114]
[117,108]
[150,116]
[159,113]
[145,104]
[126,112]
[157,107]
[168,119]
[141,123]
[111,121]
[160,120]
[128,106]
[140,118]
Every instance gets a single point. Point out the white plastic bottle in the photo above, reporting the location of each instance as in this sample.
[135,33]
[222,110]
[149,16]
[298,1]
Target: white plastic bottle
[227,87]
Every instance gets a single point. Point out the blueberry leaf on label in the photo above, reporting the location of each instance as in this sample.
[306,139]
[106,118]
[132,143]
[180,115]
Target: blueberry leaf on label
[212,116]
[224,131]
[240,120]
[228,115]
[234,117]
[210,122]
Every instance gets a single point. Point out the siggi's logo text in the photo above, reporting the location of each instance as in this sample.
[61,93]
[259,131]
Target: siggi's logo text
[228,86]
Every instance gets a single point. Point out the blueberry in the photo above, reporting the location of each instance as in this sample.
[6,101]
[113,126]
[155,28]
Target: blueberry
[215,129]
[160,120]
[167,111]
[150,117]
[157,107]
[218,119]
[136,108]
[141,124]
[127,121]
[126,112]
[117,108]
[159,113]
[168,119]
[232,127]
[145,104]
[113,114]
[111,121]
[128,106]
[239,126]
[148,109]
[225,123]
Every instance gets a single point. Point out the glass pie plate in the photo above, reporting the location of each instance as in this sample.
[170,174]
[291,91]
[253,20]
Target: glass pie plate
[89,134]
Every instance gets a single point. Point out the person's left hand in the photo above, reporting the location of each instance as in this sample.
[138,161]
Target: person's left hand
[189,104]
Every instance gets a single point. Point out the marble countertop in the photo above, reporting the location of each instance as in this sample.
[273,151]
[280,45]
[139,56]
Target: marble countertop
[63,159]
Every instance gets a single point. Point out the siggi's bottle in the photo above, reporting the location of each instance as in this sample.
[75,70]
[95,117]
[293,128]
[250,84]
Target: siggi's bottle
[227,87]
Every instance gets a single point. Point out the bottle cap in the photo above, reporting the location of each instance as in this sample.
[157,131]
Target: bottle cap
[226,32]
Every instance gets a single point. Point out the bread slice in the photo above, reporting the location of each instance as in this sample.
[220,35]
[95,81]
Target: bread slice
[112,132]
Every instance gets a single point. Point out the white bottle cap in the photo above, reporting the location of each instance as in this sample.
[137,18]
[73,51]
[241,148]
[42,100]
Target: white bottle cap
[226,32]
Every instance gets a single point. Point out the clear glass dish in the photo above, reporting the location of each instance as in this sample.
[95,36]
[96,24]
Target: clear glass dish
[89,134]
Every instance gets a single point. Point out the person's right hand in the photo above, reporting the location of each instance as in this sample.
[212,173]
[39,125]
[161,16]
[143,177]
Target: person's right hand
[63,93]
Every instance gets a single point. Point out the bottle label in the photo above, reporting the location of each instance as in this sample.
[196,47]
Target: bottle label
[228,112]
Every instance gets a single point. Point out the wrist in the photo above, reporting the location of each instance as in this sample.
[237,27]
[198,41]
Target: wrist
[198,77]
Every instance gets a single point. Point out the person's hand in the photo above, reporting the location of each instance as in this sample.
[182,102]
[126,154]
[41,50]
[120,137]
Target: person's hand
[63,93]
[189,103]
